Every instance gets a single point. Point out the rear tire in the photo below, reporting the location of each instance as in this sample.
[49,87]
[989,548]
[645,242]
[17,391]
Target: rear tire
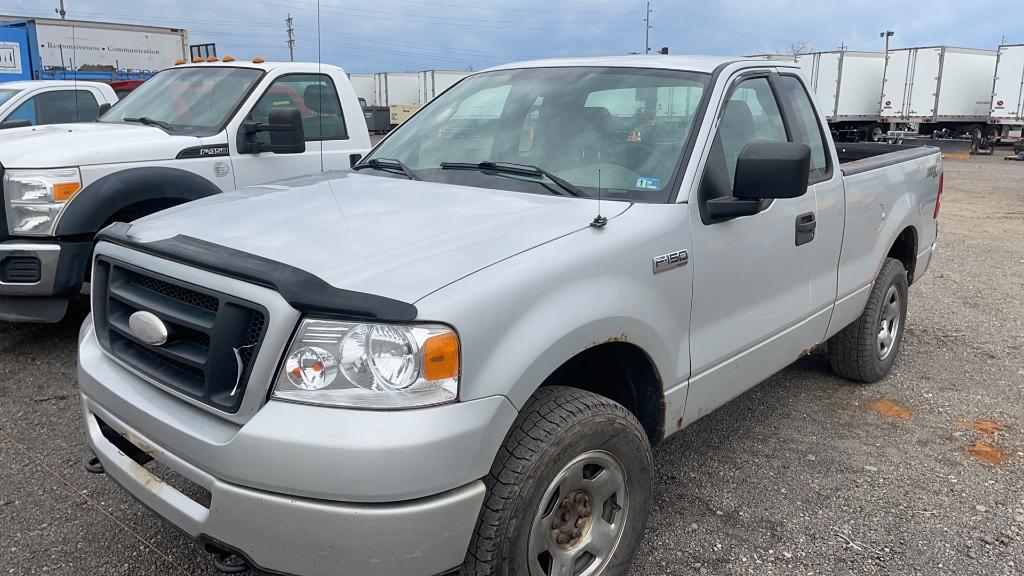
[571,487]
[865,350]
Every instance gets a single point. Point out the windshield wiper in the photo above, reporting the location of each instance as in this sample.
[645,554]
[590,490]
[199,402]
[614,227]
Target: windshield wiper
[150,122]
[513,168]
[387,164]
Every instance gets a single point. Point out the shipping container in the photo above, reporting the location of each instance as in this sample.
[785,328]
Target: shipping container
[1007,115]
[434,82]
[50,49]
[396,88]
[847,87]
[939,89]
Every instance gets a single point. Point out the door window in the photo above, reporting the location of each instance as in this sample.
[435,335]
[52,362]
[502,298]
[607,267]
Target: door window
[58,107]
[751,114]
[805,125]
[316,99]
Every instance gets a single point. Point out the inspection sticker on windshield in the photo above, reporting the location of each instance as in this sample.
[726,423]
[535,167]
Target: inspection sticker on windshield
[648,183]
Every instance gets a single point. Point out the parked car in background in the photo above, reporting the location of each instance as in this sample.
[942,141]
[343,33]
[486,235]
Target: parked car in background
[191,131]
[39,102]
[456,357]
[123,87]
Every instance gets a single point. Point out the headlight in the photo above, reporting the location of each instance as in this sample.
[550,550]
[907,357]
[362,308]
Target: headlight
[365,365]
[35,198]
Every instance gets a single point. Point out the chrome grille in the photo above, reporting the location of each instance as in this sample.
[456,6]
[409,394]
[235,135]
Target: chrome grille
[212,339]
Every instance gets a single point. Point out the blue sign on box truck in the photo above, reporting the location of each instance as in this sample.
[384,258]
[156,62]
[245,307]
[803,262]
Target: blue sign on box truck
[46,49]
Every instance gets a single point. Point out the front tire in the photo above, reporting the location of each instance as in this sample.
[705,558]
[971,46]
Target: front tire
[569,492]
[865,350]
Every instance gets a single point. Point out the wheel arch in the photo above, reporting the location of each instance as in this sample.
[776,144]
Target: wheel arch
[158,187]
[904,249]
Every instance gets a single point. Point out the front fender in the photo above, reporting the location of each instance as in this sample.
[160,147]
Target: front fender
[522,318]
[92,208]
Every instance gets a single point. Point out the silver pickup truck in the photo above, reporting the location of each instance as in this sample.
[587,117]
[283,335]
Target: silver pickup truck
[456,357]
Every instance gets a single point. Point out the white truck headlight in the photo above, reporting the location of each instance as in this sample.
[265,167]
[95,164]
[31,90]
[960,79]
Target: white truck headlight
[367,365]
[35,198]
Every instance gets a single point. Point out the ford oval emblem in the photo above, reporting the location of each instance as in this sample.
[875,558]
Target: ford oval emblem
[147,327]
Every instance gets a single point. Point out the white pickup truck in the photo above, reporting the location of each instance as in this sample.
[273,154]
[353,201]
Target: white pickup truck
[456,357]
[39,102]
[189,132]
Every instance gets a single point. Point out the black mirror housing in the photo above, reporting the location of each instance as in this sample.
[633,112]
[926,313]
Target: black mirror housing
[104,108]
[767,170]
[287,135]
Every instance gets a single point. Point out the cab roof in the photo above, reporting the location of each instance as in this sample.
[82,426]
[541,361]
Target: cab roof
[265,66]
[706,64]
[26,84]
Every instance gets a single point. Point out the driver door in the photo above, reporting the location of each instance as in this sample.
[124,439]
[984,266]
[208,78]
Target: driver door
[752,282]
[328,146]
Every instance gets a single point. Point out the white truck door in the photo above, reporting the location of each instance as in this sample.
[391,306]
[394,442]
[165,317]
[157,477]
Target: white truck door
[752,282]
[328,142]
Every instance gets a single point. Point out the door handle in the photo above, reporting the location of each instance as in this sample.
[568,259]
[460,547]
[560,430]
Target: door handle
[805,225]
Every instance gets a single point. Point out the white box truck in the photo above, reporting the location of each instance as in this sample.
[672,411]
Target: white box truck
[942,91]
[434,82]
[847,87]
[396,88]
[1007,115]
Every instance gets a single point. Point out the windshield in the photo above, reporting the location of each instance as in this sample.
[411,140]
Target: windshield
[7,93]
[196,101]
[626,126]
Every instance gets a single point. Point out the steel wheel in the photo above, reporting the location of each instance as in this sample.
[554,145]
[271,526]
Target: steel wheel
[581,517]
[888,322]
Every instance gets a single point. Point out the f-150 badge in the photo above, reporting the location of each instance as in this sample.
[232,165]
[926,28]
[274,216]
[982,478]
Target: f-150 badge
[670,261]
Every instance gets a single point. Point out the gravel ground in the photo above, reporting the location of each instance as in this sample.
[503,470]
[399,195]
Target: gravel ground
[805,474]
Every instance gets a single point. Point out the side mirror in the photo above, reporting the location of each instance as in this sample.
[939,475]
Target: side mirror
[764,171]
[286,133]
[767,170]
[104,108]
[14,124]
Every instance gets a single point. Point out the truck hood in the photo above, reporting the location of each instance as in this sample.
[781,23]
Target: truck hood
[377,235]
[86,143]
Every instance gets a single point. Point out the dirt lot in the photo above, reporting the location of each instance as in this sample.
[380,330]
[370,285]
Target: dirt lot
[922,473]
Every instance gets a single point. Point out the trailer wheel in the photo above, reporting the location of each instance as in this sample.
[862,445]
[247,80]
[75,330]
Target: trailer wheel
[876,133]
[976,132]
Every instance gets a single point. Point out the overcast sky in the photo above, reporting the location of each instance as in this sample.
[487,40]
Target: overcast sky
[407,35]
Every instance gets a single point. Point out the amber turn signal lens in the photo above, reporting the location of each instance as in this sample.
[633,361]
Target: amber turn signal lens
[179,62]
[64,192]
[229,58]
[197,60]
[441,357]
[257,59]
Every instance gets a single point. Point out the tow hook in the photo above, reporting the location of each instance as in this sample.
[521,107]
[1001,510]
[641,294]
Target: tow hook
[225,561]
[94,466]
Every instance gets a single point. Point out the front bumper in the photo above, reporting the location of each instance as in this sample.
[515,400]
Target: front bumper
[294,535]
[61,269]
[301,489]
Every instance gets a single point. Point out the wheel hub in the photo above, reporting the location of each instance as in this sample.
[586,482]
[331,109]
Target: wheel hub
[573,519]
[889,323]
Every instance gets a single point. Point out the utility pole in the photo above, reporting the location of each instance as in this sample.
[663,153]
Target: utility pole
[887,34]
[61,10]
[842,47]
[647,30]
[291,38]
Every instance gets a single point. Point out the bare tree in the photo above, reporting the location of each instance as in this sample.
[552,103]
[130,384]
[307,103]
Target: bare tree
[797,48]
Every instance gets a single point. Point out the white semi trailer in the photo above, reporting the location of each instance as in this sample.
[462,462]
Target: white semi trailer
[847,86]
[396,88]
[938,90]
[1007,115]
[434,82]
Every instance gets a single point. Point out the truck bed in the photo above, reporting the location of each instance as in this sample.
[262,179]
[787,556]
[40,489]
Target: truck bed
[862,157]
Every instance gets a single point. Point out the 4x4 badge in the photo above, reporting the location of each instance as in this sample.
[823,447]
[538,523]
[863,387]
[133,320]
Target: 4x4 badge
[670,261]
